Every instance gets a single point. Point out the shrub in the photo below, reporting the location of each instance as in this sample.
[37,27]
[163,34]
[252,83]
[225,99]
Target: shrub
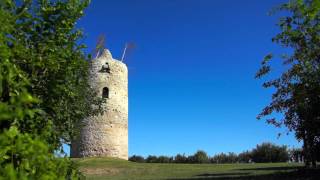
[180,158]
[220,158]
[244,157]
[232,157]
[199,157]
[296,155]
[164,159]
[27,157]
[152,159]
[136,158]
[268,152]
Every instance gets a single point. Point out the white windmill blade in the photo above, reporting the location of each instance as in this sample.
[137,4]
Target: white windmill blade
[127,47]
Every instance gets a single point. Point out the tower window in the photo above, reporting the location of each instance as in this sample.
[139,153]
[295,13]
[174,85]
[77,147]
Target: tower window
[105,68]
[105,92]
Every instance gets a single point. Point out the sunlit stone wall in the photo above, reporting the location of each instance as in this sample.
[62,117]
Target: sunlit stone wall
[107,134]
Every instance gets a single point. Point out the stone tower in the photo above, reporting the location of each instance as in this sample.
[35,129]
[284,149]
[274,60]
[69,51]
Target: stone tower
[107,134]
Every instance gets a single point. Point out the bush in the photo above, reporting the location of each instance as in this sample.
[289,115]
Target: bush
[268,152]
[136,158]
[27,157]
[165,159]
[244,157]
[152,159]
[232,157]
[180,159]
[199,157]
[296,155]
[220,158]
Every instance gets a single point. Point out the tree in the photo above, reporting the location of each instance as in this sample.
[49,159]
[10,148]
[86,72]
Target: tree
[180,158]
[220,158]
[152,159]
[296,155]
[137,158]
[199,157]
[44,92]
[165,159]
[244,157]
[232,157]
[297,94]
[225,158]
[267,152]
[44,47]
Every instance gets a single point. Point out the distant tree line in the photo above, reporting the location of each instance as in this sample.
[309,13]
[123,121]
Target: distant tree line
[263,153]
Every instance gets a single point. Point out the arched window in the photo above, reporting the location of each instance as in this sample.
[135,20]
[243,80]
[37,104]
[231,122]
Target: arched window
[105,92]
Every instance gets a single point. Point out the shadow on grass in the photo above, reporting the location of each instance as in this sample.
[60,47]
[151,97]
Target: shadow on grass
[295,173]
[272,168]
[223,174]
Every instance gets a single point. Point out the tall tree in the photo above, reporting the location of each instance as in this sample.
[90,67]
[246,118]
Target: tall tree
[46,49]
[44,90]
[297,90]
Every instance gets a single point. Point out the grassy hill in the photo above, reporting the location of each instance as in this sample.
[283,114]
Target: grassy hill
[109,168]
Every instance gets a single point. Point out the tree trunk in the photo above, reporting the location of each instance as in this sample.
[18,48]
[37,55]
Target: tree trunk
[314,155]
[306,151]
[314,164]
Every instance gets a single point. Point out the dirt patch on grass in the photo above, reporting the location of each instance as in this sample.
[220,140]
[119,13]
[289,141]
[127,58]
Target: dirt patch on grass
[100,171]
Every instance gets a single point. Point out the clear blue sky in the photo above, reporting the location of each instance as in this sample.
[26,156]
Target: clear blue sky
[191,77]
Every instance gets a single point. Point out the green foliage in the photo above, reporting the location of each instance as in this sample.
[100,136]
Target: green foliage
[44,92]
[225,158]
[25,157]
[15,100]
[165,159]
[136,158]
[180,158]
[297,94]
[53,61]
[152,159]
[199,157]
[244,157]
[296,155]
[267,152]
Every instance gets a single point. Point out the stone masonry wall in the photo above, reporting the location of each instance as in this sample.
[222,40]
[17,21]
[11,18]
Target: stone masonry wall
[107,134]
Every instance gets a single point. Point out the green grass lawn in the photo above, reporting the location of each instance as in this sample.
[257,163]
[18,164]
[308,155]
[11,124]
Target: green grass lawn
[108,168]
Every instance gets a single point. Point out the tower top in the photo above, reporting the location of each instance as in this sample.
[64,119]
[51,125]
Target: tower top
[106,54]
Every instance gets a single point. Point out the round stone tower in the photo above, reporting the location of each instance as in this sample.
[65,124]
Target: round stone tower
[106,134]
